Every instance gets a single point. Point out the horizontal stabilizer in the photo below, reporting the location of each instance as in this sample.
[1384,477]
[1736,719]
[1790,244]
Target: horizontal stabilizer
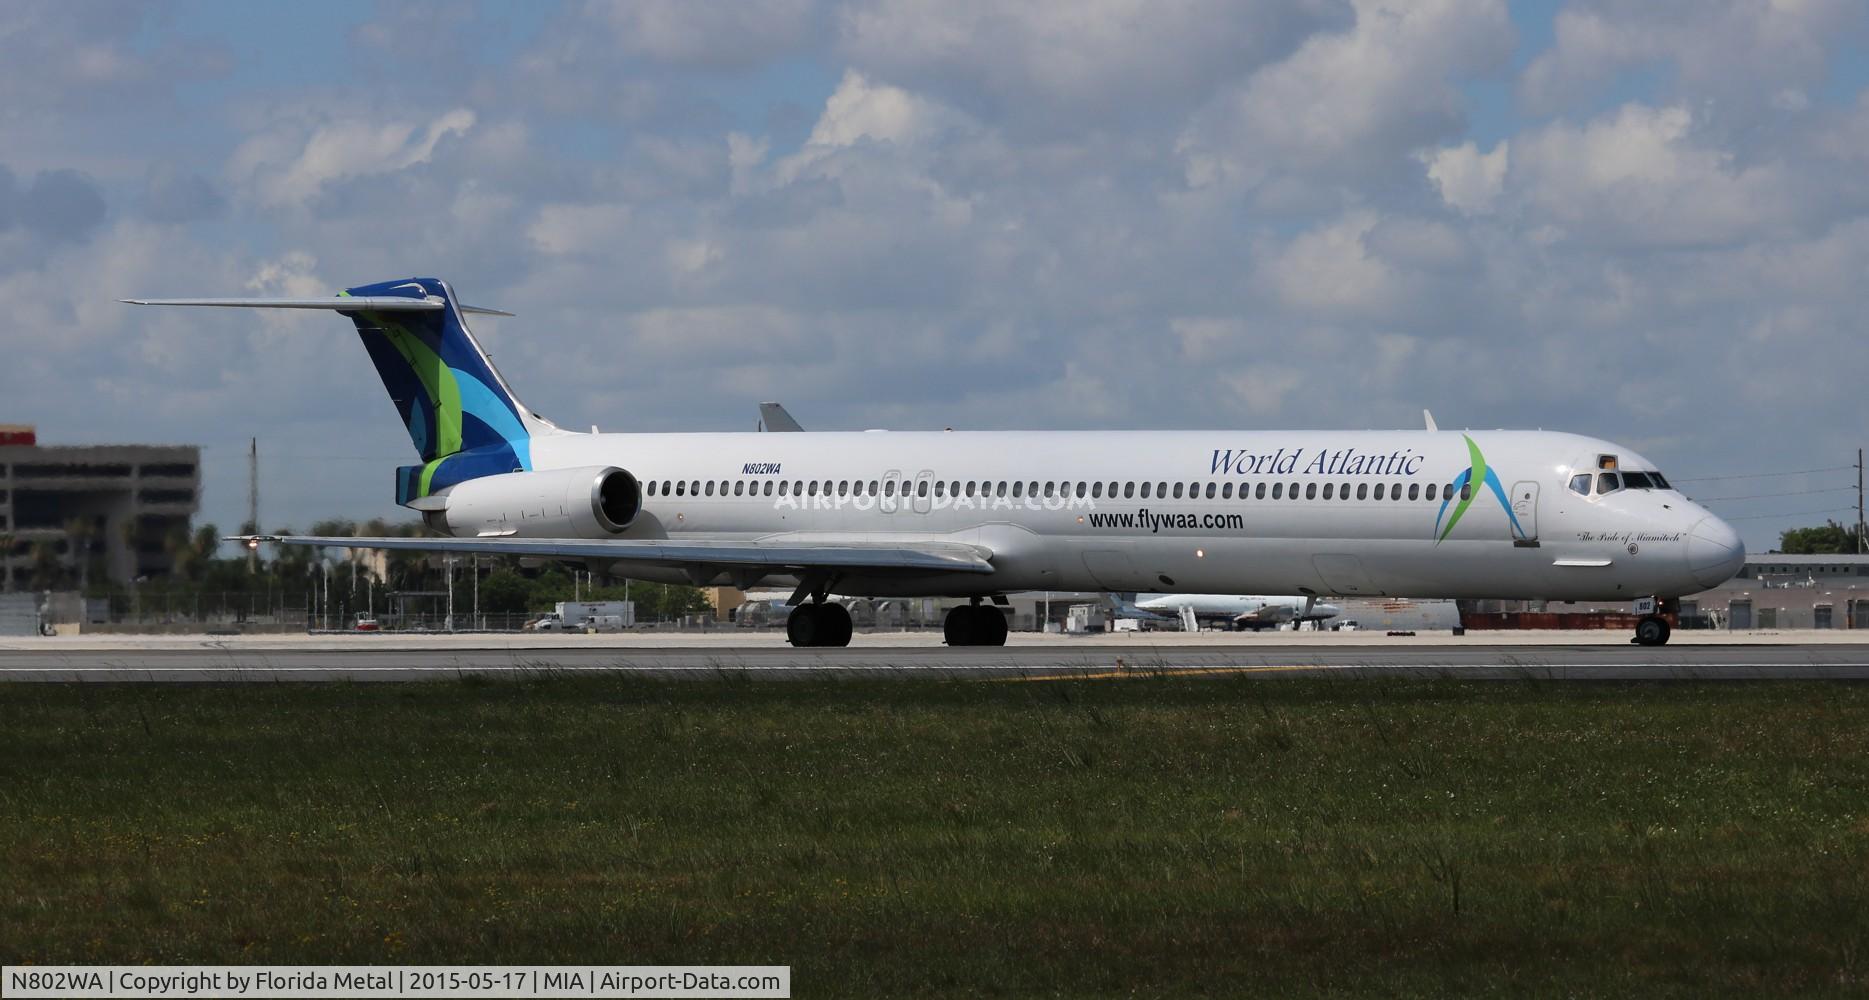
[346,303]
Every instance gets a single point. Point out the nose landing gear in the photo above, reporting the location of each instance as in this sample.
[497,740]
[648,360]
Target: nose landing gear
[1654,628]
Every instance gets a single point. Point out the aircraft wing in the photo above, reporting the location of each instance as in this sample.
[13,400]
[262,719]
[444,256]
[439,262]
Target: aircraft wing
[703,559]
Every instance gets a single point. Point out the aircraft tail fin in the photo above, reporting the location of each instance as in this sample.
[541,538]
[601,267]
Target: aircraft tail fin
[463,419]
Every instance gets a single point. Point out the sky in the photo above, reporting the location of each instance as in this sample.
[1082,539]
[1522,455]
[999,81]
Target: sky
[1645,220]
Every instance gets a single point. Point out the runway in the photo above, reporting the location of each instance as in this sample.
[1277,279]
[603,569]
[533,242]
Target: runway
[1579,657]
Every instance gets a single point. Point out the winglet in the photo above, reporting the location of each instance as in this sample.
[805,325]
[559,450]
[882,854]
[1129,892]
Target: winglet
[1429,417]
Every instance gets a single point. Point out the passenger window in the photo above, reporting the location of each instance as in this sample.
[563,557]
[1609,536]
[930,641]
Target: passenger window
[652,487]
[1210,491]
[970,487]
[1607,482]
[1177,491]
[1327,489]
[873,487]
[843,487]
[1278,490]
[1414,491]
[1129,491]
[1294,491]
[739,488]
[921,488]
[1083,490]
[1362,491]
[1466,491]
[1002,488]
[681,489]
[1395,492]
[1113,487]
[1226,492]
[814,487]
[1310,491]
[710,487]
[1018,490]
[1580,485]
[954,488]
[1258,492]
[940,488]
[1344,493]
[1161,491]
[1147,488]
[1096,491]
[769,487]
[1433,490]
[1379,487]
[1031,490]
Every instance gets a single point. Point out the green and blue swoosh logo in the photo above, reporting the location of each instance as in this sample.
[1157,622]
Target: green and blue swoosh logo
[1477,472]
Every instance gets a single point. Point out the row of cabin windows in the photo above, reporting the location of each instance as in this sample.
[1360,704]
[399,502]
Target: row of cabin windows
[1053,489]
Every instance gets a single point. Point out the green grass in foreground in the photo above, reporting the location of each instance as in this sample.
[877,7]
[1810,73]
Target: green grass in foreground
[1147,837]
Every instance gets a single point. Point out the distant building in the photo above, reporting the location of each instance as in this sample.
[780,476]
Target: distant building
[1775,590]
[129,500]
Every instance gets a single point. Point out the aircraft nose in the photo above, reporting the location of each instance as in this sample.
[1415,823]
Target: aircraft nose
[1714,552]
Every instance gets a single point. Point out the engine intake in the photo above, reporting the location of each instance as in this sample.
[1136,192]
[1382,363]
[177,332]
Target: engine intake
[588,502]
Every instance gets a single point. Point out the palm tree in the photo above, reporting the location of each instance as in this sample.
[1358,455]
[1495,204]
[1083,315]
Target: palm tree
[47,569]
[82,531]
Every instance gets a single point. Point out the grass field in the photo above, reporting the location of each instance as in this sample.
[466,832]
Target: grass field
[1152,837]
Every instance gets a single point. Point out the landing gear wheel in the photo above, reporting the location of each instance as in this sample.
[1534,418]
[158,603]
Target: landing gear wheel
[974,625]
[1652,631]
[818,625]
[960,626]
[836,621]
[804,625]
[992,626]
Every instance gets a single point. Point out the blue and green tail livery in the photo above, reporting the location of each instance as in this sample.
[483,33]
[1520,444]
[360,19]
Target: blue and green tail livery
[1481,473]
[464,421]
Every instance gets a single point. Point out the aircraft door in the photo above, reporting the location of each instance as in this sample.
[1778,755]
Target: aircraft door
[923,500]
[1525,508]
[892,482]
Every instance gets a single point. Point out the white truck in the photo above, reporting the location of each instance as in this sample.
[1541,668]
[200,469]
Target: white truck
[588,616]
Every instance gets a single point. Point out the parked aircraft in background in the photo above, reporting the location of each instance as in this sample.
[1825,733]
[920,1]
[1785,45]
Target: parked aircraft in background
[1239,611]
[977,515]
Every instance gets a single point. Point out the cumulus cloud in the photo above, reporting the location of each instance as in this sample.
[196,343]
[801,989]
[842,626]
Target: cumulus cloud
[1468,179]
[1352,103]
[57,205]
[1064,66]
[287,171]
[1749,55]
[1641,176]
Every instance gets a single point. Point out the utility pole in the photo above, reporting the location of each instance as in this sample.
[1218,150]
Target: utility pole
[253,502]
[1860,541]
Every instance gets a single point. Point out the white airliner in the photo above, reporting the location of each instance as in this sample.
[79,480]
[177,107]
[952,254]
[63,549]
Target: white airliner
[1253,611]
[1496,514]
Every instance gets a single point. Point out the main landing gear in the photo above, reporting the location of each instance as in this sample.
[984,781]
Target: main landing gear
[820,623]
[975,624]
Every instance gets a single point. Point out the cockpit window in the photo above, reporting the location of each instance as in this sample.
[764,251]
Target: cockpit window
[1580,485]
[1637,480]
[1660,483]
[1607,482]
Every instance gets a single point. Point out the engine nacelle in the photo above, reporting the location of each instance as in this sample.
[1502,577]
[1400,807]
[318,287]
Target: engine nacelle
[589,502]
